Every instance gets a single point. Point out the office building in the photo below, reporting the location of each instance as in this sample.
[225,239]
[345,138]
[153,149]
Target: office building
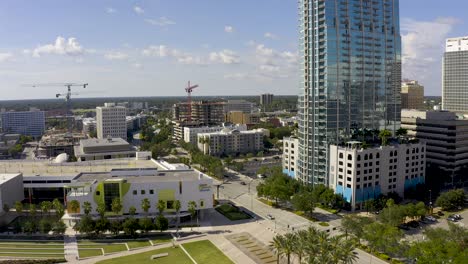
[231,142]
[30,123]
[361,174]
[239,105]
[191,133]
[266,99]
[204,112]
[111,121]
[350,59]
[454,75]
[446,137]
[412,95]
[290,152]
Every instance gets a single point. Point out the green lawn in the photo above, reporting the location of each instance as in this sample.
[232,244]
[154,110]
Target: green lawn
[176,256]
[232,213]
[207,253]
[31,249]
[138,244]
[89,252]
[161,239]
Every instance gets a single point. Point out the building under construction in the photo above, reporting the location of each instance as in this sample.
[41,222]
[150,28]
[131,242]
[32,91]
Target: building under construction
[203,112]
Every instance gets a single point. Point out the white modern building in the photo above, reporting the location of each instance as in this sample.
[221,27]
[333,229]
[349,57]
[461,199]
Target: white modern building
[111,121]
[11,189]
[290,152]
[239,105]
[191,133]
[231,142]
[28,123]
[454,75]
[360,174]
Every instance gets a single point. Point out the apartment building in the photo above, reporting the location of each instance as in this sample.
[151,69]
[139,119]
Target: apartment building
[191,133]
[204,112]
[290,152]
[360,174]
[239,105]
[231,142]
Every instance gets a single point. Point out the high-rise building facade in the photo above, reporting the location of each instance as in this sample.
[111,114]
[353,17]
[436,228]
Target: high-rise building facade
[266,99]
[111,122]
[28,123]
[454,75]
[350,57]
[412,95]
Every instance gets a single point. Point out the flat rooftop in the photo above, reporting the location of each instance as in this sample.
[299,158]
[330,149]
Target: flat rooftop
[6,177]
[161,176]
[48,168]
[94,142]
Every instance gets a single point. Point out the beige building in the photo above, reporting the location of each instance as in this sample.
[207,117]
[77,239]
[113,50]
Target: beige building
[239,117]
[204,112]
[99,149]
[111,121]
[412,95]
[290,152]
[231,142]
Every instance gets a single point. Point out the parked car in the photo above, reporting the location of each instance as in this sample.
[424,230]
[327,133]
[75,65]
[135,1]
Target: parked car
[413,224]
[457,216]
[404,227]
[269,216]
[452,218]
[430,218]
[243,183]
[276,157]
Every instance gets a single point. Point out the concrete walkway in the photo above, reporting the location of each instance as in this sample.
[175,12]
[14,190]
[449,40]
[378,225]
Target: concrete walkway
[70,246]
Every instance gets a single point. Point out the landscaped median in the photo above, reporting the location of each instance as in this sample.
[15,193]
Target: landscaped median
[232,212]
[203,252]
[94,248]
[32,249]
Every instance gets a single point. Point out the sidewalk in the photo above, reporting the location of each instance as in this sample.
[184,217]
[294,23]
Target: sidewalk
[70,245]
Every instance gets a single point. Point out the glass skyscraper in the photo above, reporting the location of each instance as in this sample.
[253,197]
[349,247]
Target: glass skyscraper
[350,56]
[454,75]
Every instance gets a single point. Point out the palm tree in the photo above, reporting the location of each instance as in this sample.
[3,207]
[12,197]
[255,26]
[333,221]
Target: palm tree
[161,205]
[346,252]
[277,245]
[300,244]
[45,207]
[288,247]
[101,209]
[74,206]
[116,206]
[384,135]
[18,207]
[145,205]
[87,208]
[132,210]
[192,208]
[177,207]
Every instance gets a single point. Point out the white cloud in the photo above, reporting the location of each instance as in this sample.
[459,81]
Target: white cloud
[162,22]
[5,56]
[273,64]
[225,57]
[61,46]
[138,10]
[156,51]
[423,45]
[228,29]
[270,35]
[236,76]
[111,10]
[116,55]
[137,65]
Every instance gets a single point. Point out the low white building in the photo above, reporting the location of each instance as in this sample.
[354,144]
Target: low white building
[11,190]
[89,125]
[360,174]
[99,149]
[191,133]
[231,142]
[131,186]
[290,155]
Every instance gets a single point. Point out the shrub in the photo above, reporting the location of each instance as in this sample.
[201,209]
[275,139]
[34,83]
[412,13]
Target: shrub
[324,224]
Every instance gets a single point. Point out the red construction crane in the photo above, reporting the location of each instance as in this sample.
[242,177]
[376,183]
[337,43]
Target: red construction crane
[189,90]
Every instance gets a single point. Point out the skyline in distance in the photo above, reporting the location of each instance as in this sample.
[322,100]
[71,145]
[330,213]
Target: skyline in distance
[152,48]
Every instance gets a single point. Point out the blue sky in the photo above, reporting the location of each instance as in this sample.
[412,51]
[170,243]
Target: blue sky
[152,48]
